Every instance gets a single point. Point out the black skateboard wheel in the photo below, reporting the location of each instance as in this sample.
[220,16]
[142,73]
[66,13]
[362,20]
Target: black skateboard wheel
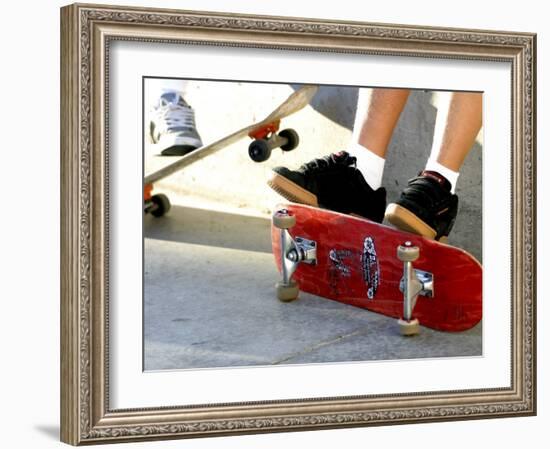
[161,204]
[259,150]
[292,138]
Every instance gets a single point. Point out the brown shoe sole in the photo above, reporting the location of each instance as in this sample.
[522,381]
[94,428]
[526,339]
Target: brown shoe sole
[397,215]
[291,191]
[405,220]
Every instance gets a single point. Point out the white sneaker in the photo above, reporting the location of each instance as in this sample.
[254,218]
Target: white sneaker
[172,127]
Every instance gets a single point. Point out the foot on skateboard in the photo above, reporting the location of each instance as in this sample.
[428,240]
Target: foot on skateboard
[426,207]
[332,182]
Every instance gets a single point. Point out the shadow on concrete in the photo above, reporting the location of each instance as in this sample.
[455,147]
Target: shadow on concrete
[209,302]
[337,103]
[210,228]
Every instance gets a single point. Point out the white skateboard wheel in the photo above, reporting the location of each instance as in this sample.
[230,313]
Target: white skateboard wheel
[283,220]
[287,292]
[408,328]
[407,253]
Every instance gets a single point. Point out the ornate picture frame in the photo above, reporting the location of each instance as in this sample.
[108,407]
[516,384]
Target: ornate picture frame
[87,31]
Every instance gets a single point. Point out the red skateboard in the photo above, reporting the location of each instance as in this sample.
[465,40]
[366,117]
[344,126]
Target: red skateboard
[376,267]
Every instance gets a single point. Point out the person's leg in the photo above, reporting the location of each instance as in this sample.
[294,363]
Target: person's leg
[428,205]
[378,111]
[349,181]
[155,87]
[171,119]
[456,128]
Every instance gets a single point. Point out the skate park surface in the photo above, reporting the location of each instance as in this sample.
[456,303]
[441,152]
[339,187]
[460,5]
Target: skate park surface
[209,274]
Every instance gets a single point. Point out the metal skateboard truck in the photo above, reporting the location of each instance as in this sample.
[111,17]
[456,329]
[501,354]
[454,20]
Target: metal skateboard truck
[266,139]
[293,252]
[413,283]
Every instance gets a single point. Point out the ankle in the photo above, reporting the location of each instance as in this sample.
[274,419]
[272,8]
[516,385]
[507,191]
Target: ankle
[450,175]
[369,164]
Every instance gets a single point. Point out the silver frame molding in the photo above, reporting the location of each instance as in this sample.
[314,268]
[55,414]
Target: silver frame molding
[86,31]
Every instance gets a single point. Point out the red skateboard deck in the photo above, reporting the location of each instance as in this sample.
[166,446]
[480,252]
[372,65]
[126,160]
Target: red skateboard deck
[357,264]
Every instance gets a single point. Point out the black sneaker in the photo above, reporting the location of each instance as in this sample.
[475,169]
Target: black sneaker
[426,207]
[172,128]
[332,182]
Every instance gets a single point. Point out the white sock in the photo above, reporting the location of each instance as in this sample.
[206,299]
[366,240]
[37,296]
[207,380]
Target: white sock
[450,175]
[369,164]
[155,87]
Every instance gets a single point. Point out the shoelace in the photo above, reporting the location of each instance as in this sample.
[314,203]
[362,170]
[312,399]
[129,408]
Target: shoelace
[326,162]
[173,116]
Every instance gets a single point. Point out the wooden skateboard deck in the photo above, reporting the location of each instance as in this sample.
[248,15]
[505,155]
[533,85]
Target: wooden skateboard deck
[357,264]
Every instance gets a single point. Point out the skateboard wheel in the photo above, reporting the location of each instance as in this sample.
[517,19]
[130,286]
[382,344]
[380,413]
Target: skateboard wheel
[161,204]
[407,253]
[287,292]
[259,150]
[292,138]
[282,220]
[408,328]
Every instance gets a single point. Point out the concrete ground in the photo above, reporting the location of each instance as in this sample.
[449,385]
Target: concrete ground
[210,302]
[209,297]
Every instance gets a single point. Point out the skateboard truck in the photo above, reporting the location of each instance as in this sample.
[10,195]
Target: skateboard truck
[293,252]
[266,139]
[156,205]
[413,283]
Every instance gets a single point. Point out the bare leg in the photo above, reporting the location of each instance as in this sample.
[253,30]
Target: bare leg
[350,181]
[456,128]
[378,111]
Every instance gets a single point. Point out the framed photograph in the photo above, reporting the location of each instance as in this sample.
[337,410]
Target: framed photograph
[281,224]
